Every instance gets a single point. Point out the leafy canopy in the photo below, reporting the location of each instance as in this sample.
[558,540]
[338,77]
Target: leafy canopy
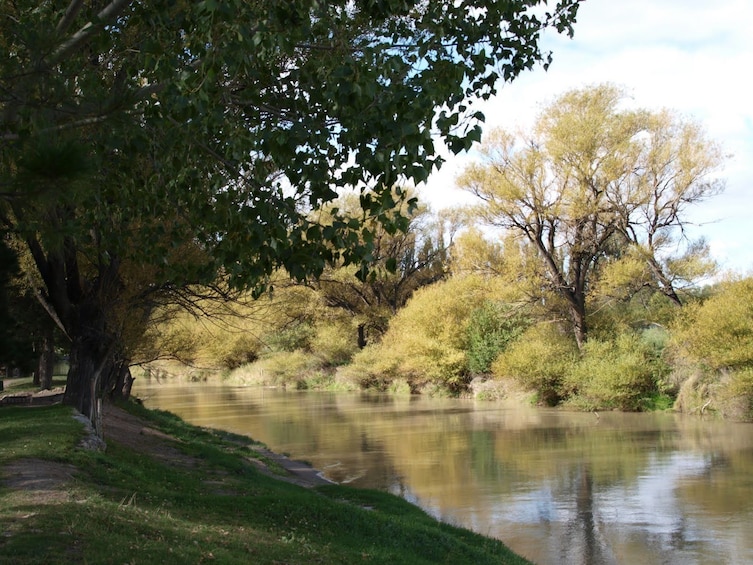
[147,148]
[233,118]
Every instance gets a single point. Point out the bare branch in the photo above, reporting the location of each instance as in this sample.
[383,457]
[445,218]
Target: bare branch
[70,15]
[48,308]
[109,13]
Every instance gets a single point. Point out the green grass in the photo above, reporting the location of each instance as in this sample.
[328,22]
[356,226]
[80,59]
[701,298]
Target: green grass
[126,507]
[42,433]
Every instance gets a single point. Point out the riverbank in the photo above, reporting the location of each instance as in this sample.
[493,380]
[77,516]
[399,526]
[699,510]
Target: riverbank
[165,491]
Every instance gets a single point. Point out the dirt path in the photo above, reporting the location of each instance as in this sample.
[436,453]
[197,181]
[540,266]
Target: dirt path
[131,431]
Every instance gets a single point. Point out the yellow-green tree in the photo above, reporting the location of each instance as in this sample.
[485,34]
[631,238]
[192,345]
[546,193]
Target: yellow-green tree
[590,180]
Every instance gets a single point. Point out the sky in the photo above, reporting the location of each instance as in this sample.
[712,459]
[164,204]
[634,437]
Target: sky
[692,56]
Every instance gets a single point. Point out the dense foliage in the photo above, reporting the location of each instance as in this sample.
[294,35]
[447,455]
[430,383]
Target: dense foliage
[715,339]
[147,149]
[540,360]
[491,328]
[427,342]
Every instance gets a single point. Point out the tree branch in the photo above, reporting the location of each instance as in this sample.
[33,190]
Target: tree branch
[49,309]
[109,13]
[70,15]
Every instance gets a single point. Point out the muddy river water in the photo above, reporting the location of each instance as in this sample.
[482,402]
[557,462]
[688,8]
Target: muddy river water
[555,486]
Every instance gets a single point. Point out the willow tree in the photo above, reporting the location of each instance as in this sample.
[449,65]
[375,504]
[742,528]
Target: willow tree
[675,170]
[191,140]
[593,184]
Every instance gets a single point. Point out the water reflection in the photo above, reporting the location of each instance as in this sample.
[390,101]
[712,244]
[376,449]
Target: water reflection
[556,487]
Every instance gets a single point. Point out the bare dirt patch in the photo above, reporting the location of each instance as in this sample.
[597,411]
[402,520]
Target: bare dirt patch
[43,482]
[133,432]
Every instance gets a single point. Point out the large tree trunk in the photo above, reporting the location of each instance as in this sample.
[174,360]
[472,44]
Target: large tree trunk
[90,360]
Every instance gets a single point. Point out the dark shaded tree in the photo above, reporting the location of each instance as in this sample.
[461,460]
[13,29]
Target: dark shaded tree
[191,140]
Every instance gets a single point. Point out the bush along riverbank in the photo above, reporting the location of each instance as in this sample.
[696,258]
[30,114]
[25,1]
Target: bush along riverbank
[166,492]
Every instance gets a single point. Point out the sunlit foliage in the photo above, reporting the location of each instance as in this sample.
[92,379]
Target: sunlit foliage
[622,374]
[593,183]
[540,360]
[719,332]
[427,342]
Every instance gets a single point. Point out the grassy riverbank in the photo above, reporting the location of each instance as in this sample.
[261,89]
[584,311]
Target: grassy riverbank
[175,493]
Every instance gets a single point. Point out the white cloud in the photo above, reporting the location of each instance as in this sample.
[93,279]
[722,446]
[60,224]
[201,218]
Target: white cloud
[692,56]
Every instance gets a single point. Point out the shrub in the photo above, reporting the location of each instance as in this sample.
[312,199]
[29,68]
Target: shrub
[399,386]
[719,332]
[279,368]
[427,340]
[491,327]
[233,351]
[295,336]
[712,350]
[370,369]
[335,343]
[736,395]
[625,374]
[539,360]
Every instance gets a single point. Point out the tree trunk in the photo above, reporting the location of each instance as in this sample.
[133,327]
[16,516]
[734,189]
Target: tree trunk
[36,378]
[89,360]
[121,389]
[46,364]
[127,384]
[580,328]
[81,371]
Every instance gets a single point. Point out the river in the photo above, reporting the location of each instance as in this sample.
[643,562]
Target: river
[555,486]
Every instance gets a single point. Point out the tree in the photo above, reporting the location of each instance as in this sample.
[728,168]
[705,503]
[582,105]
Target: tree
[400,263]
[674,171]
[591,180]
[190,140]
[25,332]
